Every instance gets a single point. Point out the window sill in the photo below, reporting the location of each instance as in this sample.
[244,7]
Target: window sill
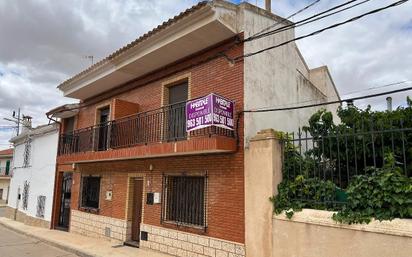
[175,224]
[89,210]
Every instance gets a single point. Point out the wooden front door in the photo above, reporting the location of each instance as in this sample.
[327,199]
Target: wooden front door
[137,208]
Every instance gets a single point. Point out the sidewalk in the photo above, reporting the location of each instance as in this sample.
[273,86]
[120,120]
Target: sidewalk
[77,244]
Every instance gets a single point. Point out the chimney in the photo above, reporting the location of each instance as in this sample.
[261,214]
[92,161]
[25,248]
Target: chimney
[268,5]
[26,123]
[389,103]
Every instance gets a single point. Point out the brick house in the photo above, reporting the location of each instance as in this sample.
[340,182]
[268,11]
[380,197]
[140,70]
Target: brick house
[128,170]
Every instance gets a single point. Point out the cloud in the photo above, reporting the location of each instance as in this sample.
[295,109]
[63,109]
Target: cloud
[370,52]
[44,42]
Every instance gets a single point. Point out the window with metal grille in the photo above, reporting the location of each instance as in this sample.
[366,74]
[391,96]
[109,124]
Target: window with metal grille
[90,192]
[41,202]
[26,189]
[184,200]
[27,150]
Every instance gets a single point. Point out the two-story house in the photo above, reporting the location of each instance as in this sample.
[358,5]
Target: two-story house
[34,169]
[6,157]
[131,168]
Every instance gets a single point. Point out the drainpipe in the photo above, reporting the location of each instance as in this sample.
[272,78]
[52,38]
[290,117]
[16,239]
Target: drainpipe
[268,5]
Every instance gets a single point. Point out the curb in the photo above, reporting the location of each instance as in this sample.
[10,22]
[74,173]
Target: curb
[49,242]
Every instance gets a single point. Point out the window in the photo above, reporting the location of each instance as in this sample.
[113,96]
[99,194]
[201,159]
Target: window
[41,201]
[27,150]
[68,125]
[90,192]
[26,189]
[7,167]
[176,126]
[102,129]
[185,200]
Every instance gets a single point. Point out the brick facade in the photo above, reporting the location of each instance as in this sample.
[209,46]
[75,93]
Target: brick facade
[225,207]
[225,193]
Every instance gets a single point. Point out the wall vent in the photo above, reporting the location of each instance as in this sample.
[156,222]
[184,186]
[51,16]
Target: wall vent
[143,236]
[107,231]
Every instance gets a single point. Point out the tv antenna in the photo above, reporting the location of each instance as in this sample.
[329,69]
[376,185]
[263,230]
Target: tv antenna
[89,57]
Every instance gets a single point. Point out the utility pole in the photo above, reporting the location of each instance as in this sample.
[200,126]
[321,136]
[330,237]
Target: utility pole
[18,120]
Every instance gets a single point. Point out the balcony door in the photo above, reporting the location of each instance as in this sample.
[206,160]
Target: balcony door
[176,125]
[102,129]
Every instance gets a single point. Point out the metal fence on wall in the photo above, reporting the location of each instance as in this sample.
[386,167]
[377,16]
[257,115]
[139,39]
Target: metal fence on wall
[345,152]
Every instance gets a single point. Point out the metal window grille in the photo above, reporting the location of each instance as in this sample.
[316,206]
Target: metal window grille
[27,150]
[26,190]
[90,192]
[184,200]
[41,202]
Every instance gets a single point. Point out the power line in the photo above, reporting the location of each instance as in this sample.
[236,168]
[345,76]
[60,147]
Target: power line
[299,24]
[306,19]
[222,53]
[320,30]
[379,87]
[347,94]
[330,102]
[287,18]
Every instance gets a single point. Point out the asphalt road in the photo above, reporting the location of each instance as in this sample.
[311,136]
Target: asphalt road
[13,244]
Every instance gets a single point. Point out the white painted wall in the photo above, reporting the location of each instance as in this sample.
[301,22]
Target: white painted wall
[279,78]
[40,173]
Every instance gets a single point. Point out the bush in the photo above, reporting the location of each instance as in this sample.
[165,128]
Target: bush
[385,194]
[304,193]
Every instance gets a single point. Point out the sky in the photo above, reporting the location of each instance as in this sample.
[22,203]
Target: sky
[44,42]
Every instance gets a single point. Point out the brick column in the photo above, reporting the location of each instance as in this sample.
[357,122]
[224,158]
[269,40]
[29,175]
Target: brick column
[263,172]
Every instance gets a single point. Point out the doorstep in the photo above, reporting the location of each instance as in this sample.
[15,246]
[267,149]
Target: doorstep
[78,244]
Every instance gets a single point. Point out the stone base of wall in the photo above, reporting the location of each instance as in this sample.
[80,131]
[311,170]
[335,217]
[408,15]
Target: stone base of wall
[99,226]
[12,213]
[186,244]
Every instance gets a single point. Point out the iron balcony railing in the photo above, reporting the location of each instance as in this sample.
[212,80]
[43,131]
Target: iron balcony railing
[4,171]
[165,124]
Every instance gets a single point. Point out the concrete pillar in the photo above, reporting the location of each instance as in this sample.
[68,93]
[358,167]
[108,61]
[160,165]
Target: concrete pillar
[263,172]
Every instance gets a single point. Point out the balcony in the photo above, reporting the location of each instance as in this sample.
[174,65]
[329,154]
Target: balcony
[5,172]
[155,133]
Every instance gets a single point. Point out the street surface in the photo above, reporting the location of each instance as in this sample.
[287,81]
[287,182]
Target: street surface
[13,244]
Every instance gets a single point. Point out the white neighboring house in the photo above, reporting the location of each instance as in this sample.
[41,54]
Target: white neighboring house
[32,182]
